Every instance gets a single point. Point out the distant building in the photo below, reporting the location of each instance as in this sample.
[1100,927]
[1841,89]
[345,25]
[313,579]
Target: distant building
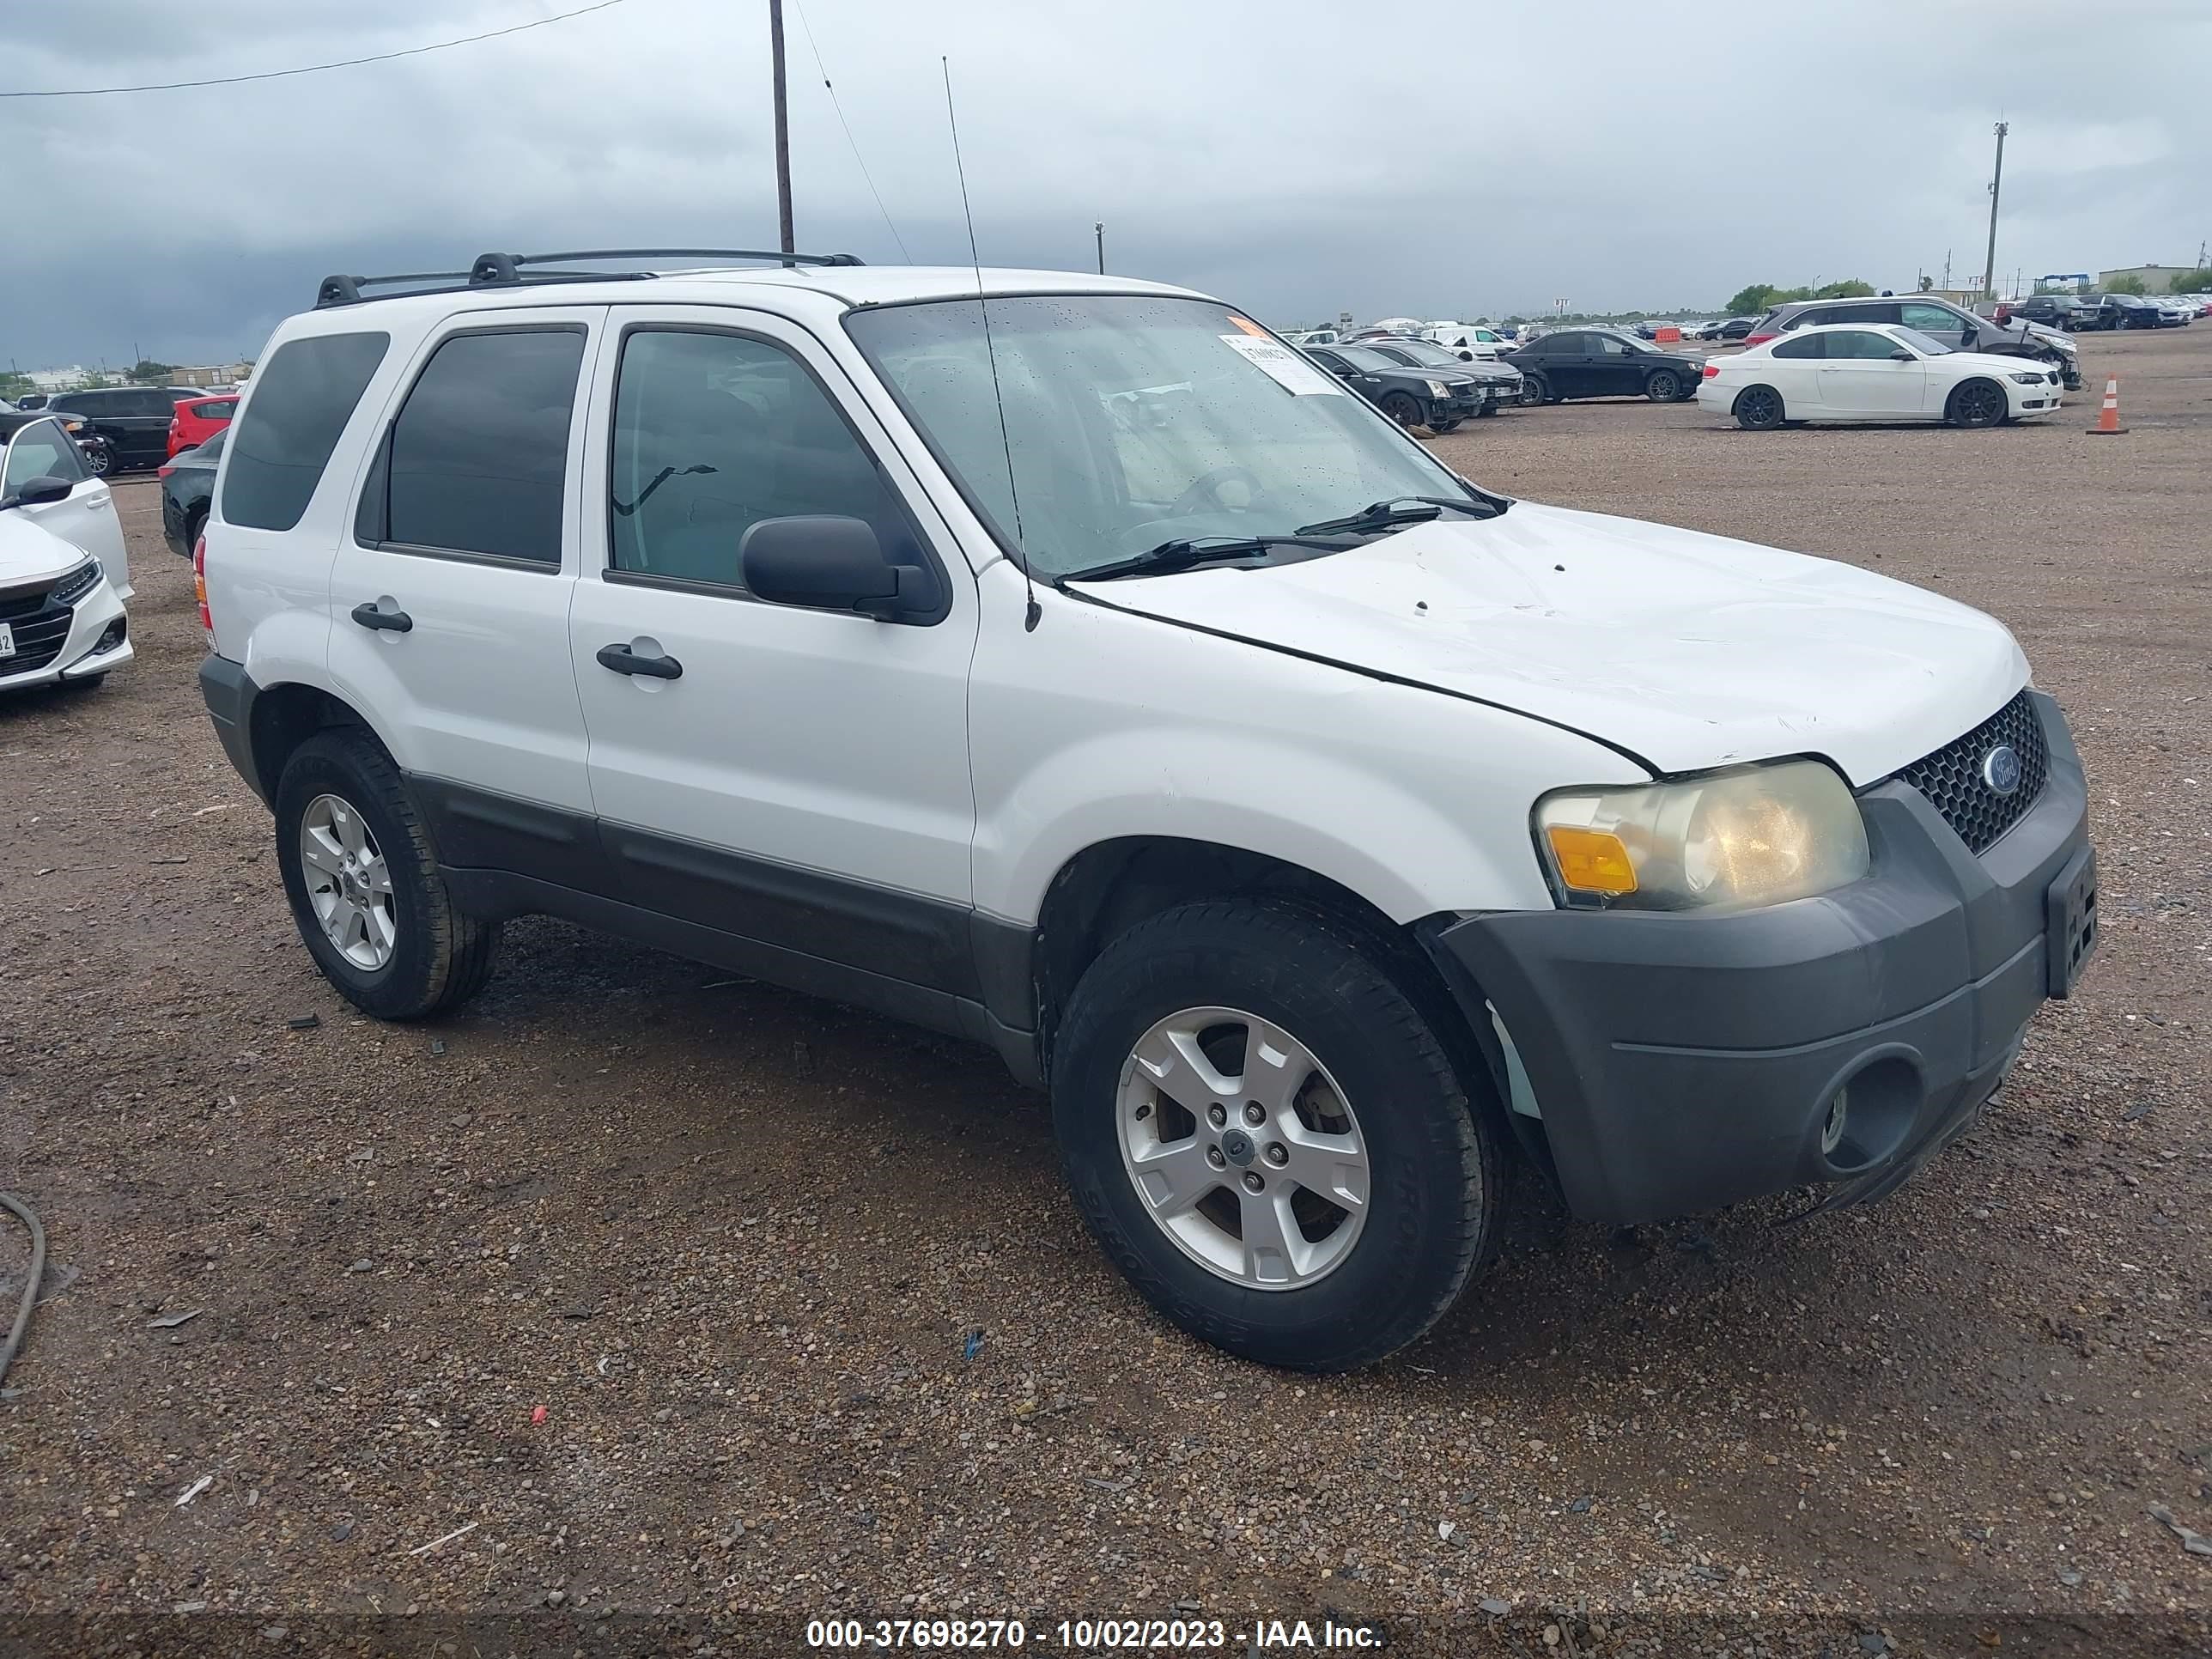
[2156,279]
[59,379]
[210,374]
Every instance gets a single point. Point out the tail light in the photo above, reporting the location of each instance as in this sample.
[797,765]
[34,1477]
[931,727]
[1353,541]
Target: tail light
[199,587]
[1712,371]
[164,470]
[1757,339]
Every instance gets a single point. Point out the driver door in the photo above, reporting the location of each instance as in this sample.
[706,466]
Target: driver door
[1861,373]
[802,780]
[87,517]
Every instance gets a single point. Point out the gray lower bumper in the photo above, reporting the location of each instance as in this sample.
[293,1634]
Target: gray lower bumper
[1683,1062]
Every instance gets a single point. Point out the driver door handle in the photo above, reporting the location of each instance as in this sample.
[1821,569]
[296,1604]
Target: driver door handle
[367,614]
[623,660]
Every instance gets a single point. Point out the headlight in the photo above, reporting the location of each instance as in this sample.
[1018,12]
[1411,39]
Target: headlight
[1438,389]
[1750,835]
[75,584]
[2028,379]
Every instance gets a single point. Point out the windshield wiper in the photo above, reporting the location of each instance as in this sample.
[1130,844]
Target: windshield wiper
[1401,510]
[1189,552]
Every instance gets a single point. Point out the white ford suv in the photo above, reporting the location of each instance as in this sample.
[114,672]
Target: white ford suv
[1065,663]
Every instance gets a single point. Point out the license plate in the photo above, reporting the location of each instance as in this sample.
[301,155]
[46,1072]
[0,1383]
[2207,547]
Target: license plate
[2071,907]
[7,641]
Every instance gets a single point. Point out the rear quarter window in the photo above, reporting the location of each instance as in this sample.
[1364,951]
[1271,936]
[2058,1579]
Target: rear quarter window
[302,400]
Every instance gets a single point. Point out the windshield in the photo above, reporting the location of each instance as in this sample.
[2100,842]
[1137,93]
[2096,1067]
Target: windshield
[1134,421]
[1926,345]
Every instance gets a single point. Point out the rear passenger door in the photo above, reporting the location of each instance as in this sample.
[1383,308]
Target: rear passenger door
[449,595]
[795,777]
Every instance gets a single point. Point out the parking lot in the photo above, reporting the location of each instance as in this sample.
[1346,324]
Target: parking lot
[816,1330]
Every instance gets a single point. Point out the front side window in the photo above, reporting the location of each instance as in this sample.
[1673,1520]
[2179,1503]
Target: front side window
[713,432]
[301,402]
[1133,421]
[1857,343]
[41,450]
[1611,345]
[479,458]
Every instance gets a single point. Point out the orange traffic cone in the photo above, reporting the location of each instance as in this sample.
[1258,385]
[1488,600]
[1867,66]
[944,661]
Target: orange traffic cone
[2108,417]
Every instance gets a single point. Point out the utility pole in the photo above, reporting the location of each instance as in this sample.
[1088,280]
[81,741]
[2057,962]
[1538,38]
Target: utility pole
[1099,229]
[1947,271]
[782,127]
[1997,180]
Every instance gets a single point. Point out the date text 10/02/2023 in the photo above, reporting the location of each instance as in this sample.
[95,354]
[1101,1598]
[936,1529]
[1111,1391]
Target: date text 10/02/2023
[1089,1635]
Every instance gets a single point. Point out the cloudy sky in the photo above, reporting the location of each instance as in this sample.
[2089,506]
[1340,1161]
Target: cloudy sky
[1303,157]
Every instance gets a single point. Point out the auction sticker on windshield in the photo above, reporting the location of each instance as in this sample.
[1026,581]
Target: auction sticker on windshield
[1282,365]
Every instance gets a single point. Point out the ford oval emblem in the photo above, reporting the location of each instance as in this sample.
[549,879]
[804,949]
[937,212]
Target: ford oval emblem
[2000,770]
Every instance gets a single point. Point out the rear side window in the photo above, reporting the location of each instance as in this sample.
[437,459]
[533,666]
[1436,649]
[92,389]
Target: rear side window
[148,403]
[477,460]
[301,401]
[214,409]
[1801,345]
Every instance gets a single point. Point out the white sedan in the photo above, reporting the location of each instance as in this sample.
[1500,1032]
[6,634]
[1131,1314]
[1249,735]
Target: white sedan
[1874,372]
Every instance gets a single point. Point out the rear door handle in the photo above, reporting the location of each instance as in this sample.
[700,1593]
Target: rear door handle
[623,660]
[367,614]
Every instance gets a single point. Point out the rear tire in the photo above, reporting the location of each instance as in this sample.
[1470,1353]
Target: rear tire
[1663,387]
[1534,390]
[1758,409]
[1371,1083]
[437,957]
[1487,410]
[1442,426]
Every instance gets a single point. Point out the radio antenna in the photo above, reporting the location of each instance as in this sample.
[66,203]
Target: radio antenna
[1032,613]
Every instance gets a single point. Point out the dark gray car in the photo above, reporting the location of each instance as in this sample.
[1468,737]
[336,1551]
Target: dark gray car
[1941,320]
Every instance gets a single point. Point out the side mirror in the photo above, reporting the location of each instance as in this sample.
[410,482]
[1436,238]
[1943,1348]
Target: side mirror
[826,561]
[39,492]
[1901,356]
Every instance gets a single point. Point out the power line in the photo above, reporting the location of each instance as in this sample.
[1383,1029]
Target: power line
[848,125]
[315,69]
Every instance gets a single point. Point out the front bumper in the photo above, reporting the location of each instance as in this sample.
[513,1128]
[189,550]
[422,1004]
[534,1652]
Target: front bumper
[93,639]
[1684,1063]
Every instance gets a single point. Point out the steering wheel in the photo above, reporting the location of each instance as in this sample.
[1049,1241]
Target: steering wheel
[1206,488]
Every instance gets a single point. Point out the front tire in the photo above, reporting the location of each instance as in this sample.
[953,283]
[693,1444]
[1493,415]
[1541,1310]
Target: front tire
[1265,1136]
[1401,407]
[1758,409]
[362,878]
[1978,403]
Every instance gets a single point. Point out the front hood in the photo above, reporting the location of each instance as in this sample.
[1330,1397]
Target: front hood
[1689,651]
[28,552]
[1996,362]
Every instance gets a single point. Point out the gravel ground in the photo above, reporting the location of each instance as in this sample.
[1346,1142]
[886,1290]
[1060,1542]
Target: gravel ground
[662,1283]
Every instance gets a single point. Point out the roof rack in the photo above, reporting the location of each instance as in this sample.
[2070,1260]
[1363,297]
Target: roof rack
[507,271]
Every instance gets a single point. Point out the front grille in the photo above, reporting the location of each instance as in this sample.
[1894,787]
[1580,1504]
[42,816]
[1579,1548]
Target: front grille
[39,638]
[23,602]
[1951,777]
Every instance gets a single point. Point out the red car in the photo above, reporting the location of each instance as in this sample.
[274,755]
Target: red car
[198,419]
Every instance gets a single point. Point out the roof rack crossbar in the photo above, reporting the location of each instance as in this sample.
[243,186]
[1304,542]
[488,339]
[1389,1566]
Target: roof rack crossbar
[491,268]
[340,290]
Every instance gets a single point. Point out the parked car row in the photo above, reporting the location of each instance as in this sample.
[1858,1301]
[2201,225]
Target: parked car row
[132,421]
[2081,314]
[1418,383]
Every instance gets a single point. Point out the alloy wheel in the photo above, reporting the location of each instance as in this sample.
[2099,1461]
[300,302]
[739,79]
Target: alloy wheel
[348,884]
[1242,1148]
